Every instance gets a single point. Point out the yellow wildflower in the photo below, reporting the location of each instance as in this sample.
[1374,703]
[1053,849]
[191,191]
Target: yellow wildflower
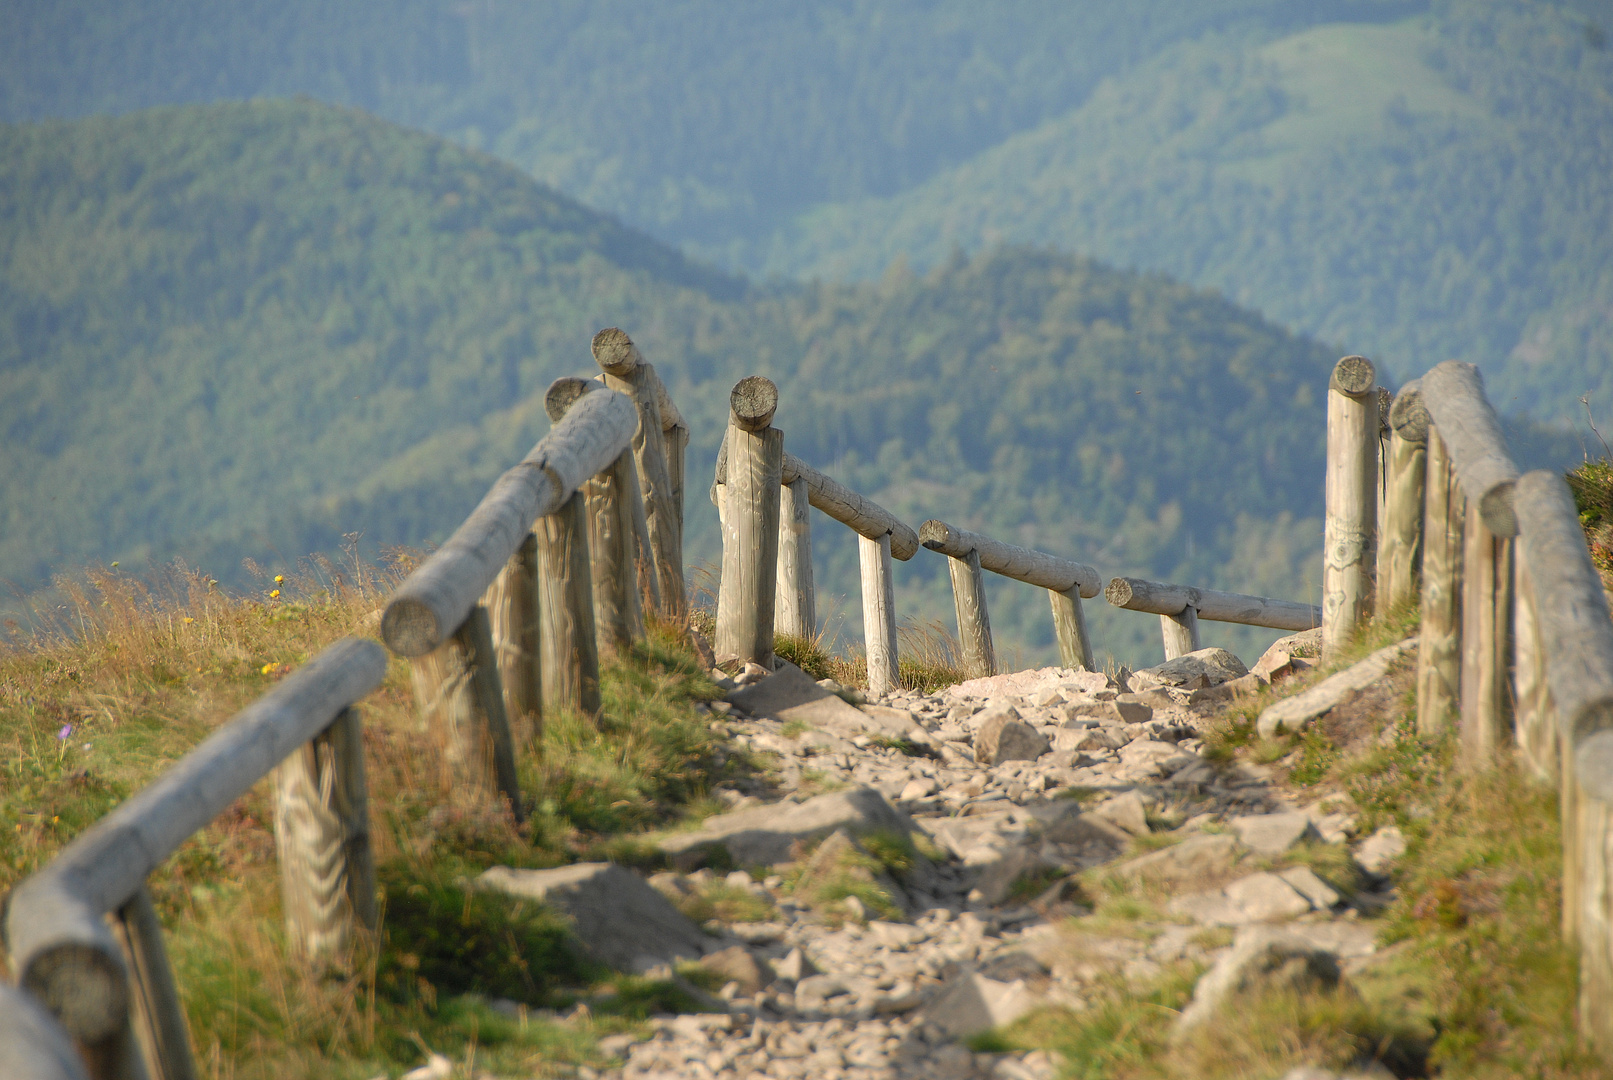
[274,593]
[266,669]
[280,579]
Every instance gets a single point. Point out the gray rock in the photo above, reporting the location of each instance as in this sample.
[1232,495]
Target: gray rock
[918,788]
[1121,710]
[789,695]
[995,880]
[1377,852]
[764,834]
[1198,860]
[1273,834]
[738,964]
[1259,897]
[795,966]
[1127,812]
[1087,739]
[886,721]
[1305,882]
[1292,713]
[1260,959]
[1003,738]
[1191,671]
[616,915]
[973,1003]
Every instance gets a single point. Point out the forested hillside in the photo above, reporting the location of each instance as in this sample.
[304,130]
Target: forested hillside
[1435,187]
[246,330]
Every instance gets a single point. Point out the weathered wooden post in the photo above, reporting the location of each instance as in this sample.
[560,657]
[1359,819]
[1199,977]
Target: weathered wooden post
[1576,635]
[1400,540]
[879,614]
[1181,632]
[568,646]
[1454,393]
[618,618]
[748,589]
[1534,715]
[158,1015]
[1352,501]
[627,371]
[1439,645]
[322,839]
[974,623]
[457,689]
[795,603]
[1065,580]
[512,613]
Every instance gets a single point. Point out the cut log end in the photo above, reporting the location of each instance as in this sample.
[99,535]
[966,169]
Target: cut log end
[1593,760]
[934,535]
[615,352]
[410,628]
[1408,416]
[85,987]
[1495,509]
[1353,375]
[563,394]
[753,401]
[1118,592]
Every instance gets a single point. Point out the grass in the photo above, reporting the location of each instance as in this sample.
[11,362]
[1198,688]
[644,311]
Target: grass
[128,675]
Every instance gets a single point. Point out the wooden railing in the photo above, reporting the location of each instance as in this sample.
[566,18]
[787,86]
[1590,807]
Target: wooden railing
[1180,607]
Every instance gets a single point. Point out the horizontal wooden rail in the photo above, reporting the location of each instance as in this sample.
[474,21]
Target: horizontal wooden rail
[434,600]
[60,947]
[1010,560]
[1453,394]
[858,513]
[1158,598]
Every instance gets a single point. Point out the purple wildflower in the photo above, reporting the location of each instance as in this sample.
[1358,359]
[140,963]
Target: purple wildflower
[67,729]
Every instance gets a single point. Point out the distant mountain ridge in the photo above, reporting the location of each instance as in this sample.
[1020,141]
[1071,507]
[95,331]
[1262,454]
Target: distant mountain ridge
[251,329]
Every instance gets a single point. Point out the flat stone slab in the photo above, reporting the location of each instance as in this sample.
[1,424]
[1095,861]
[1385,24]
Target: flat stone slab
[973,1003]
[1291,714]
[1261,959]
[764,834]
[1273,834]
[617,917]
[1196,860]
[789,695]
[1263,897]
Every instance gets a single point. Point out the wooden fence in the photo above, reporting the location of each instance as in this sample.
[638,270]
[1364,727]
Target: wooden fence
[569,550]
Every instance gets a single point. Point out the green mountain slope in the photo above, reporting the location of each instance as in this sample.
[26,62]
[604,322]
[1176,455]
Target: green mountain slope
[247,330]
[1428,188]
[710,121]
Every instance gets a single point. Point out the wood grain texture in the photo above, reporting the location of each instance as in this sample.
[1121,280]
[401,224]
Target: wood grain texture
[749,584]
[512,612]
[612,551]
[1454,394]
[795,597]
[974,621]
[457,690]
[1180,632]
[879,614]
[33,1044]
[58,941]
[626,371]
[1010,560]
[1408,414]
[435,599]
[568,649]
[752,402]
[1164,598]
[158,1015]
[1486,718]
[1534,715]
[1400,541]
[1070,628]
[1439,656]
[1350,541]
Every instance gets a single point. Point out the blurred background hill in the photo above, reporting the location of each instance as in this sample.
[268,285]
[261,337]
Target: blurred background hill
[237,328]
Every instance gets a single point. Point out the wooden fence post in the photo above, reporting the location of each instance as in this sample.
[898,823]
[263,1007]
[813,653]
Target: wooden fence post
[512,612]
[879,614]
[974,622]
[795,603]
[1535,717]
[158,1017]
[1352,501]
[612,534]
[568,648]
[627,371]
[1400,541]
[1486,644]
[1070,628]
[1181,632]
[1439,647]
[33,1043]
[750,547]
[322,841]
[457,688]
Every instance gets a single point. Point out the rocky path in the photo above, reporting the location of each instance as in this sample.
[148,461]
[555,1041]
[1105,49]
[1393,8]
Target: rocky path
[841,954]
